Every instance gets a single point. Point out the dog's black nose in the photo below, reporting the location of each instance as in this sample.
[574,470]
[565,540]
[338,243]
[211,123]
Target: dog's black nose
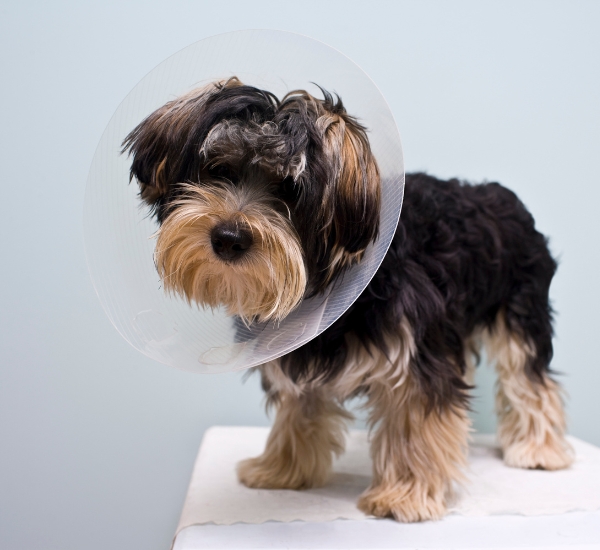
[230,241]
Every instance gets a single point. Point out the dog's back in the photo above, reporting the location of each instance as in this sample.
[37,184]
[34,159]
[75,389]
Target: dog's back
[462,255]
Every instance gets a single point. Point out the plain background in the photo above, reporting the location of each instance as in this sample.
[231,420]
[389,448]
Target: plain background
[97,442]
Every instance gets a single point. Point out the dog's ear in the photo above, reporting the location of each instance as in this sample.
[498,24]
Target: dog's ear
[353,193]
[157,143]
[167,146]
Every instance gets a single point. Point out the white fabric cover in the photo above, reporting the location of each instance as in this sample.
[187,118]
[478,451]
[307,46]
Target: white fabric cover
[215,495]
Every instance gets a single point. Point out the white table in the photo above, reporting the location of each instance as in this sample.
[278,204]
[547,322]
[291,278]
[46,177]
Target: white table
[220,513]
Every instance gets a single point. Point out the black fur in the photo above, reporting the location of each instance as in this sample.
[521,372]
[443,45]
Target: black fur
[167,150]
[461,254]
[180,144]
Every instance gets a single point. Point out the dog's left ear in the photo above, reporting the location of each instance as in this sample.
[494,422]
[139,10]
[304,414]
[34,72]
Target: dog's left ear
[353,194]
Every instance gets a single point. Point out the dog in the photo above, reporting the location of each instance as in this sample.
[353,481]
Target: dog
[262,202]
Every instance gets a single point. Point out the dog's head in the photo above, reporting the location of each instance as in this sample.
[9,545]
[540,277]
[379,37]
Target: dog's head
[260,202]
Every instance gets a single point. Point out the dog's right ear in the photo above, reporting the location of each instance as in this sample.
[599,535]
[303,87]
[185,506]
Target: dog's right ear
[165,145]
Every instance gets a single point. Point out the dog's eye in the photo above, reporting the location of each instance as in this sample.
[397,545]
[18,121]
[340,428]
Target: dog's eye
[221,171]
[289,189]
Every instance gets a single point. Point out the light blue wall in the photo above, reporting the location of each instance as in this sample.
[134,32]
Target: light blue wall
[98,441]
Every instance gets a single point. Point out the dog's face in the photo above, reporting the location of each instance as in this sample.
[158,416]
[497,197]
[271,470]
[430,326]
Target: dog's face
[260,202]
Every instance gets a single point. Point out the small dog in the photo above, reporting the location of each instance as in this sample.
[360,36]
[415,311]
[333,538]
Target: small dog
[262,202]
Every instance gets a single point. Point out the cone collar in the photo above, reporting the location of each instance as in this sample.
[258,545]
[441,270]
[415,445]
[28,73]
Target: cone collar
[118,230]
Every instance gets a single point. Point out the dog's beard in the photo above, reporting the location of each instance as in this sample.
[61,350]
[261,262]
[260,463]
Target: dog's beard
[266,283]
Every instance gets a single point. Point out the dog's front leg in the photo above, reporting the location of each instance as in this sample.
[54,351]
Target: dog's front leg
[417,453]
[308,430]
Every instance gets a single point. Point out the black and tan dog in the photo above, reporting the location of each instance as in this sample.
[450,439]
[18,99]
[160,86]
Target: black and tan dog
[262,202]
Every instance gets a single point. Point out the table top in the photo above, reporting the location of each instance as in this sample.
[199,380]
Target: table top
[500,507]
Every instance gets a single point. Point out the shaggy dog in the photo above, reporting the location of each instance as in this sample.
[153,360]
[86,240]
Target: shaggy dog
[262,202]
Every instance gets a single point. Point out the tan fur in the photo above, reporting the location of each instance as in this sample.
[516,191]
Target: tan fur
[341,258]
[366,368]
[355,174]
[308,431]
[416,456]
[354,177]
[268,282]
[310,420]
[363,368]
[530,414]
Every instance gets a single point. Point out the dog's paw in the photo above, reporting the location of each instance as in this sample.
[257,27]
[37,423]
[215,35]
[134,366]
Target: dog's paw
[258,474]
[265,472]
[553,454]
[404,502]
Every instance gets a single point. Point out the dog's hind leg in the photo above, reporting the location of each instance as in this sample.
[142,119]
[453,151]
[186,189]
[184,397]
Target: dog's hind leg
[309,429]
[528,401]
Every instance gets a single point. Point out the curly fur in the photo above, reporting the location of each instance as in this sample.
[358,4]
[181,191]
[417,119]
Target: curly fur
[294,145]
[466,266]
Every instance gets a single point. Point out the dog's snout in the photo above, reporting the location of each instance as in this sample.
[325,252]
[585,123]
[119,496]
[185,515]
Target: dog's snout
[230,241]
